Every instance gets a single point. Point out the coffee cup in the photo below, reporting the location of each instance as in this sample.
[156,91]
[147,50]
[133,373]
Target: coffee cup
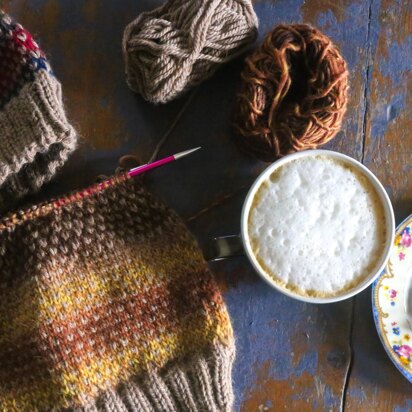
[371,190]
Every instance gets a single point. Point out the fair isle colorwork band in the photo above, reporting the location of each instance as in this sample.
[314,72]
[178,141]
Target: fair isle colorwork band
[35,136]
[106,304]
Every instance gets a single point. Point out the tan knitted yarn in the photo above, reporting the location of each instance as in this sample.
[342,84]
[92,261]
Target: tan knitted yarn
[35,135]
[106,304]
[181,43]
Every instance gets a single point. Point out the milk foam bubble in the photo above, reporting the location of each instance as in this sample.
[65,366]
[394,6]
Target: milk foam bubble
[317,226]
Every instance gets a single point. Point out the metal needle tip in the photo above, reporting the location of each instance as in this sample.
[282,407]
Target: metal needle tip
[185,153]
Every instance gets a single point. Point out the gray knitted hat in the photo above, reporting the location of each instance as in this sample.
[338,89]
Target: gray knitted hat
[35,136]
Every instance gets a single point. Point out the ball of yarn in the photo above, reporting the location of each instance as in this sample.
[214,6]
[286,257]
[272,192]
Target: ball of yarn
[293,93]
[181,43]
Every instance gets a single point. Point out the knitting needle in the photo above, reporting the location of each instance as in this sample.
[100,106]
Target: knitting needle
[144,168]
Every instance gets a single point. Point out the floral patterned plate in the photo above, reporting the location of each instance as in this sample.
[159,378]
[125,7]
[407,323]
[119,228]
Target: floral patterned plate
[388,301]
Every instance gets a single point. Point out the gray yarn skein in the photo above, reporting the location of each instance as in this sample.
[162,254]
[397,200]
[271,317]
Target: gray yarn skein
[178,45]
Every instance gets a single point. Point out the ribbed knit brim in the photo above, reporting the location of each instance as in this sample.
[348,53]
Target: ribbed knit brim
[35,135]
[200,383]
[106,304]
[35,138]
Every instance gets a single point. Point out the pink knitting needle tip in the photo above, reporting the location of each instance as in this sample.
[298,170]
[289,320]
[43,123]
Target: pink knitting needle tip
[144,168]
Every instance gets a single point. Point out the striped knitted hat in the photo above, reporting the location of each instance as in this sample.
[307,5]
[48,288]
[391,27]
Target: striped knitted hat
[35,136]
[106,304]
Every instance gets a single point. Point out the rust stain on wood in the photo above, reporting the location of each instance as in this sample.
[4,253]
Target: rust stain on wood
[277,395]
[396,21]
[375,397]
[333,357]
[375,384]
[333,361]
[303,390]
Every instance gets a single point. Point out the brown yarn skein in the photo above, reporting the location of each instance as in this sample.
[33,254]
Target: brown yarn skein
[293,93]
[182,42]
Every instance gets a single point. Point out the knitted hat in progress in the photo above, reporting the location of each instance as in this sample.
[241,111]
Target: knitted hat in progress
[35,136]
[106,304]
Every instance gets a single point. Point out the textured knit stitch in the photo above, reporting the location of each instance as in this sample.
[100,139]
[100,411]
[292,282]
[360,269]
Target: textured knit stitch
[106,304]
[35,136]
[183,42]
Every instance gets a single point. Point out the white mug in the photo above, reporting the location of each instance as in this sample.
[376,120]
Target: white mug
[235,245]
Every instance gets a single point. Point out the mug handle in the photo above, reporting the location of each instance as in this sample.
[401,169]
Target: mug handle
[224,247]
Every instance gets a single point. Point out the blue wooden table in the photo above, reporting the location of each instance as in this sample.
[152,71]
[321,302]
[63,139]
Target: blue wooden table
[290,355]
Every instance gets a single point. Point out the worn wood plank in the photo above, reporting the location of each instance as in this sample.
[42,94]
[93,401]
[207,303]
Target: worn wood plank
[375,384]
[291,356]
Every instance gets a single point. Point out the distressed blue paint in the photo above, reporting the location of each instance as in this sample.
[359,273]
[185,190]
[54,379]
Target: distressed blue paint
[303,394]
[349,34]
[272,13]
[357,392]
[308,362]
[256,342]
[384,112]
[307,394]
[395,67]
[374,29]
[330,401]
[398,60]
[265,324]
[407,406]
[392,95]
[406,169]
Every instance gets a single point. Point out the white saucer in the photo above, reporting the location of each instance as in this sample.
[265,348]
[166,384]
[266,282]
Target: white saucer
[388,301]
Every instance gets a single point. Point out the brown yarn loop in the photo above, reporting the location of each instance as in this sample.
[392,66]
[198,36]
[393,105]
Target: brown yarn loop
[293,94]
[181,43]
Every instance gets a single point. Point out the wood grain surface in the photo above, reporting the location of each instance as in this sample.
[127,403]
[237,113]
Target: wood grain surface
[290,355]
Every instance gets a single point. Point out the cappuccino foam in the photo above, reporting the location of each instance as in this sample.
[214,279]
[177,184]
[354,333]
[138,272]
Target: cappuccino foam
[317,226]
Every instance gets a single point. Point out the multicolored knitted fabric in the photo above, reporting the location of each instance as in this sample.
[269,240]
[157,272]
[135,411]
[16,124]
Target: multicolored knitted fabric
[35,136]
[106,304]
